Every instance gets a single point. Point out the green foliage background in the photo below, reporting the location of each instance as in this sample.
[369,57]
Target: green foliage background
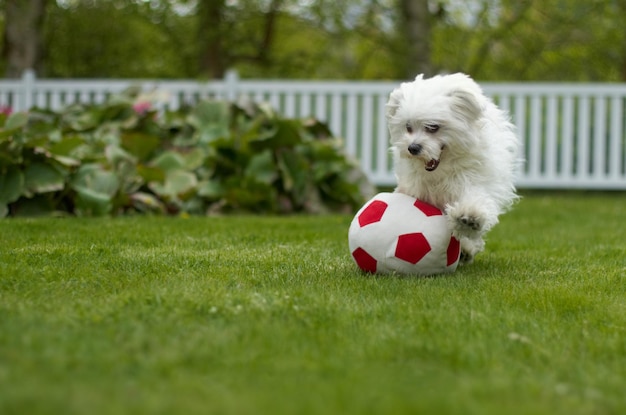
[573,40]
[124,156]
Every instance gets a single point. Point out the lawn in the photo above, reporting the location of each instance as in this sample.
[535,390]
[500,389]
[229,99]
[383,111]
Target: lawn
[268,315]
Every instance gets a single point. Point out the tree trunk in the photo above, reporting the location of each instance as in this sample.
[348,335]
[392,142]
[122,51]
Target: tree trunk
[622,12]
[23,37]
[212,62]
[268,32]
[215,56]
[416,21]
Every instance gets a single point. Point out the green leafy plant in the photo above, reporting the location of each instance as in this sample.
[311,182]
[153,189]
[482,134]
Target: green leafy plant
[124,156]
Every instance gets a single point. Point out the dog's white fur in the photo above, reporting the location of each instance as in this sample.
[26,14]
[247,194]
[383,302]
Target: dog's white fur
[454,149]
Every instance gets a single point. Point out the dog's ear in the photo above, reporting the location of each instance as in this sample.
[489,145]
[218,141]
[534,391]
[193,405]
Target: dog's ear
[394,102]
[467,103]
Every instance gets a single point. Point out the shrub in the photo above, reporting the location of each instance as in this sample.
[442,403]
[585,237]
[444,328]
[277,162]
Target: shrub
[124,156]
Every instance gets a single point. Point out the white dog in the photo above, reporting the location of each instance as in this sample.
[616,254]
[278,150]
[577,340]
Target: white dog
[454,149]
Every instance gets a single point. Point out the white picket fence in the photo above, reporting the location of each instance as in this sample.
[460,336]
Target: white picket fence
[574,135]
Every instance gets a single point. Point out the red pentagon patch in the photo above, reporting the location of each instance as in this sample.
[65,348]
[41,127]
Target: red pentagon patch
[364,260]
[412,247]
[372,213]
[454,250]
[427,209]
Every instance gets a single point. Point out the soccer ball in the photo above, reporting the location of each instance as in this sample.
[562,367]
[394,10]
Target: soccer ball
[394,232]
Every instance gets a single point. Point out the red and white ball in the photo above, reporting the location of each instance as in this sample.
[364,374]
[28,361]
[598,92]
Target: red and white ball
[394,232]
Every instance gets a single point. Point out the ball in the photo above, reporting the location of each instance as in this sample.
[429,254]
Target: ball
[394,232]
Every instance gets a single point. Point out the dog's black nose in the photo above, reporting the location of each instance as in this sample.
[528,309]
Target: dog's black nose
[415,148]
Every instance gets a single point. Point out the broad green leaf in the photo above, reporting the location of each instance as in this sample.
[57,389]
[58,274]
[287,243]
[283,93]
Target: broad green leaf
[267,110]
[32,141]
[194,159]
[66,145]
[146,202]
[82,118]
[317,129]
[262,167]
[150,174]
[66,161]
[254,135]
[14,124]
[179,184]
[11,186]
[92,202]
[43,128]
[294,173]
[324,169]
[92,179]
[6,134]
[211,119]
[210,189]
[4,210]
[16,120]
[11,153]
[211,112]
[116,110]
[139,144]
[125,167]
[169,160]
[251,195]
[116,155]
[287,134]
[160,190]
[42,178]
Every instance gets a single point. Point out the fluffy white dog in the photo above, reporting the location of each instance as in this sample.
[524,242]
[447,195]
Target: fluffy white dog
[454,149]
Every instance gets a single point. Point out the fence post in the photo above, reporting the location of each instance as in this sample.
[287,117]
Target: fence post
[231,81]
[27,90]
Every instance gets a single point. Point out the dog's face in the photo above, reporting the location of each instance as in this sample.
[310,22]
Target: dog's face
[428,117]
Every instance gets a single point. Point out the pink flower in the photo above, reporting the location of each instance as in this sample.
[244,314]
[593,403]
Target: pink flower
[141,107]
[6,110]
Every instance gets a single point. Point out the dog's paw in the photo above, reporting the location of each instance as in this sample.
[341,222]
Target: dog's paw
[466,258]
[470,223]
[464,224]
[469,249]
[468,226]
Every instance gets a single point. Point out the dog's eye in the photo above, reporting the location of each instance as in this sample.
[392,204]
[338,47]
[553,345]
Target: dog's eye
[431,128]
[409,128]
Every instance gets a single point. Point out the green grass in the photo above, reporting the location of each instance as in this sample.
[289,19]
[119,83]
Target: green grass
[268,315]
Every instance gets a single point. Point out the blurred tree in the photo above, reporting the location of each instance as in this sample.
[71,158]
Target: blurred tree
[243,31]
[416,23]
[284,38]
[574,40]
[22,38]
[621,36]
[559,40]
[105,38]
[210,32]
